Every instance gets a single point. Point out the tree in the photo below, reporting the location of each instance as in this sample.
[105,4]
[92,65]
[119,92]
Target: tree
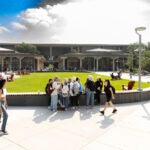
[27,48]
[146,60]
[133,58]
[132,61]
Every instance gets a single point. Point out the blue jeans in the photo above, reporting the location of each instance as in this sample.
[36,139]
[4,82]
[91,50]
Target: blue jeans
[66,101]
[54,101]
[89,97]
[5,115]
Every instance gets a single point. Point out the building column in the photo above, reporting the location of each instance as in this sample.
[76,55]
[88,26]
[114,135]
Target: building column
[20,62]
[97,63]
[81,62]
[113,67]
[78,49]
[38,64]
[10,65]
[71,49]
[3,63]
[51,53]
[123,63]
[64,66]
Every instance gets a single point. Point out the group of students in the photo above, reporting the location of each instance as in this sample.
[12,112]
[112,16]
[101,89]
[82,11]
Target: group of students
[3,105]
[67,94]
[63,93]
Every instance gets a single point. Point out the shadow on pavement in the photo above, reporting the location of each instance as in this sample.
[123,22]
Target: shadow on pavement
[62,115]
[107,121]
[146,111]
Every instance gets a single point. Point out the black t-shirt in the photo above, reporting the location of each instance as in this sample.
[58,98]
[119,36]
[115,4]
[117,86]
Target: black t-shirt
[98,84]
[107,91]
[90,85]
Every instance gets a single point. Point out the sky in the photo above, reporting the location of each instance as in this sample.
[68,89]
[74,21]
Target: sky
[75,21]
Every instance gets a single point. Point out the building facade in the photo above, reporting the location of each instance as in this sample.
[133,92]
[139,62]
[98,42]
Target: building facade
[11,60]
[92,57]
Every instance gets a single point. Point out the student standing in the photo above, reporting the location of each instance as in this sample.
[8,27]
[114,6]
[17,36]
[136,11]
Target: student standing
[108,89]
[3,104]
[72,93]
[98,87]
[65,94]
[90,89]
[54,95]
[49,89]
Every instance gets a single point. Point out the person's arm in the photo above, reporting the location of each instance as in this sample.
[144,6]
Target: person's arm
[112,94]
[1,98]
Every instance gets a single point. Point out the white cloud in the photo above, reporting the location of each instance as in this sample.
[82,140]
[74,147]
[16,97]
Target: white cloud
[3,29]
[18,26]
[86,21]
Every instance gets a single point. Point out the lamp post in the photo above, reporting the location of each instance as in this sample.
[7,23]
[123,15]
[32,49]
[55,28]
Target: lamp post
[137,30]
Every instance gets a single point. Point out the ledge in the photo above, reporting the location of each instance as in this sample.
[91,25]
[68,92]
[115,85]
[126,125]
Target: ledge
[41,99]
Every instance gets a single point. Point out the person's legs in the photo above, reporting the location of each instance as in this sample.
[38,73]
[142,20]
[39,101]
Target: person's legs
[55,102]
[87,97]
[92,99]
[76,100]
[113,106]
[105,106]
[71,100]
[66,102]
[5,116]
[49,100]
[97,97]
[77,97]
[52,101]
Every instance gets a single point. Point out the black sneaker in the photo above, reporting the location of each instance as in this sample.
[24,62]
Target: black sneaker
[114,111]
[4,132]
[102,112]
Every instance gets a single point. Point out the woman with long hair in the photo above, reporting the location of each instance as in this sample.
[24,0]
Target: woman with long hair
[108,88]
[3,104]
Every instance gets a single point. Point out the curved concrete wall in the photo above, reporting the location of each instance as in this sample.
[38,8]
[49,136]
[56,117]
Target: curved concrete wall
[40,99]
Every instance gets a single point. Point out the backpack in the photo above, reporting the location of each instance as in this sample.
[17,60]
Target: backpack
[65,90]
[75,89]
[113,89]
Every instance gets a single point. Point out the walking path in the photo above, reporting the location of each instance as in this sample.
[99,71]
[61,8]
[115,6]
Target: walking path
[37,128]
[145,78]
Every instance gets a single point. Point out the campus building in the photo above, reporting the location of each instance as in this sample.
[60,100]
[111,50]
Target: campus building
[96,57]
[12,60]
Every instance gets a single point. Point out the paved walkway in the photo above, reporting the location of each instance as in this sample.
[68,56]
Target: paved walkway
[36,128]
[145,78]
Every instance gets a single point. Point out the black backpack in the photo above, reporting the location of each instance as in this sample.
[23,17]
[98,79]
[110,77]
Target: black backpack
[113,89]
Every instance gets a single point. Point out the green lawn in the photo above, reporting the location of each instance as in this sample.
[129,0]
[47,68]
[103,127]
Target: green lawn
[36,81]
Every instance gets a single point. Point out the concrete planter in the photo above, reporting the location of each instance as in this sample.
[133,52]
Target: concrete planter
[41,99]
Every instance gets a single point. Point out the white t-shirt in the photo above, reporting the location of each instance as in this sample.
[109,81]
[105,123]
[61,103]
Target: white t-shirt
[56,86]
[71,88]
[65,90]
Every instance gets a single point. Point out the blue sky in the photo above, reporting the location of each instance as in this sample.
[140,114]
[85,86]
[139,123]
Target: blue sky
[76,21]
[9,9]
